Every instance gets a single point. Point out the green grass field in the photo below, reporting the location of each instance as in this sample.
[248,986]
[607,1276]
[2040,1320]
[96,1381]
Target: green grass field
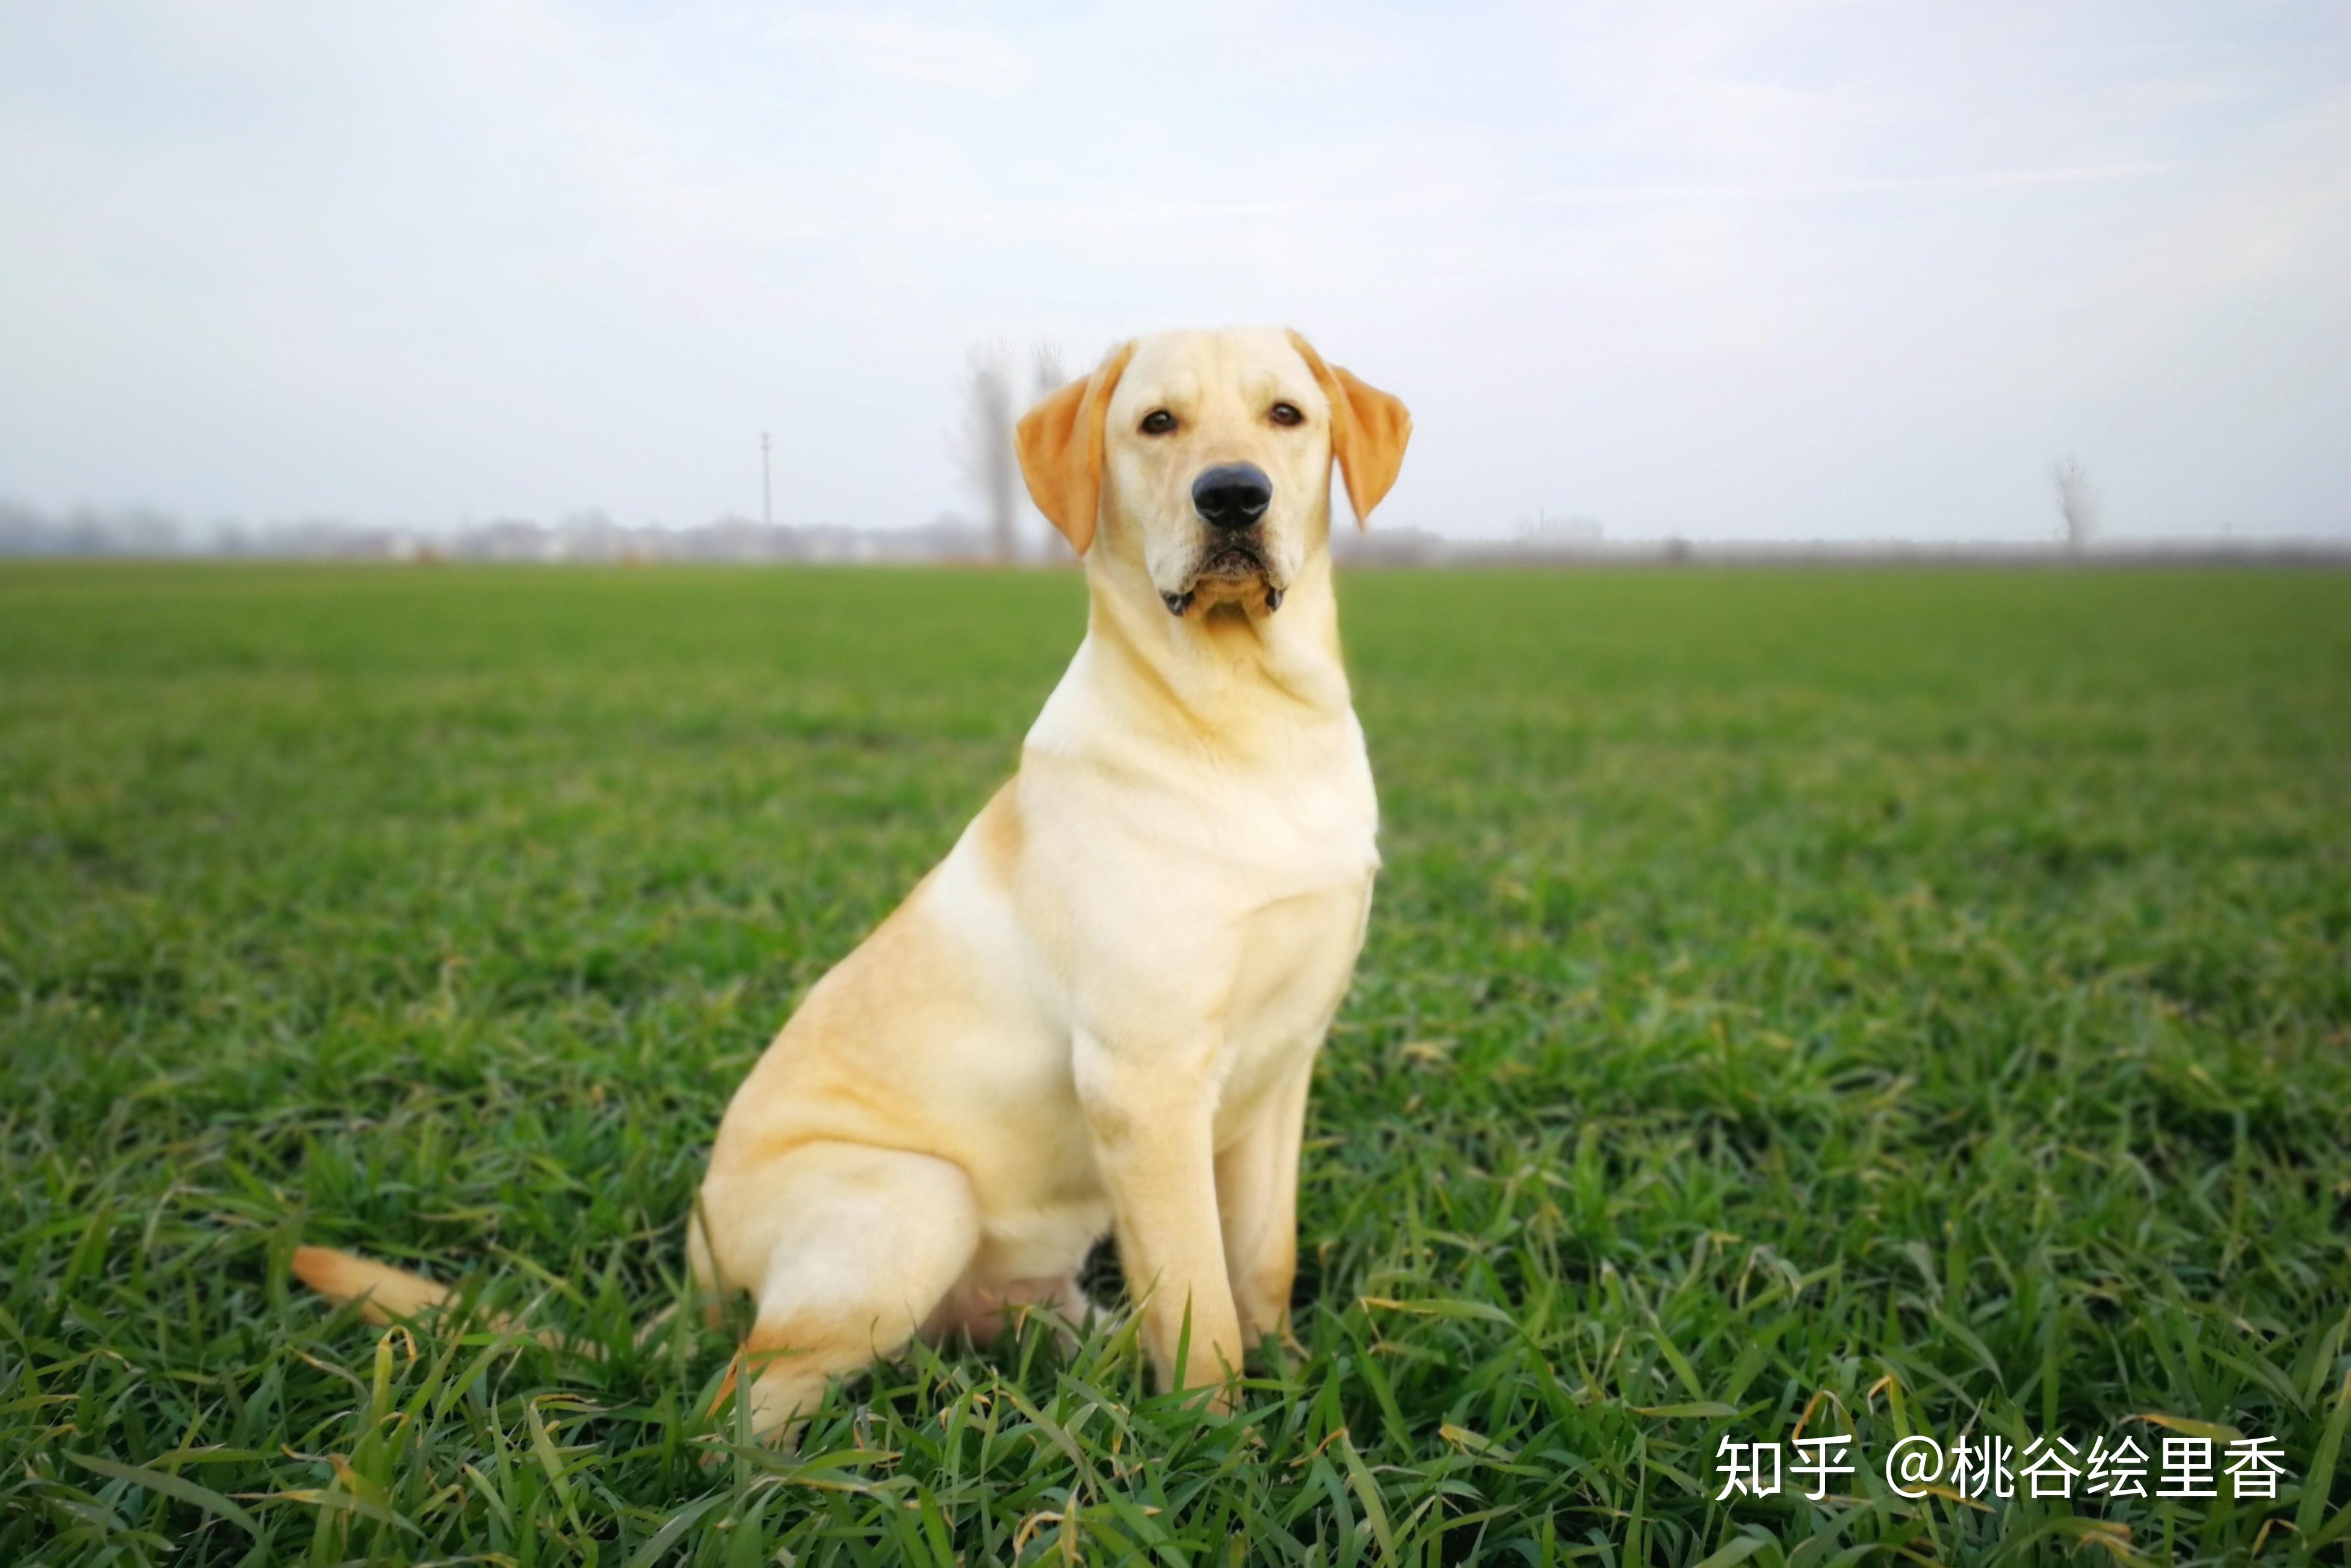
[1892,1001]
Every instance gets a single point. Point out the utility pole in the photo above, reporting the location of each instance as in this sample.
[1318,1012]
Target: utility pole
[767,499]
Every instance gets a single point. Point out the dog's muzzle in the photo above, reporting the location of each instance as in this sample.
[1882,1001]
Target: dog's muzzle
[1231,498]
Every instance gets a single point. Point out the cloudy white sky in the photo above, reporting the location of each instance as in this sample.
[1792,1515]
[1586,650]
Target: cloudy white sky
[1777,269]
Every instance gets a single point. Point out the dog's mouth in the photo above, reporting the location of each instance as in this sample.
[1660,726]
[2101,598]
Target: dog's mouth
[1231,563]
[1228,570]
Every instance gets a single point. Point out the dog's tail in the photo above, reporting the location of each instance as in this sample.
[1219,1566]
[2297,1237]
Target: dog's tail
[384,1294]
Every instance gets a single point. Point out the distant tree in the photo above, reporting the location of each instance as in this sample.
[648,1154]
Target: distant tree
[1049,377]
[2077,503]
[991,405]
[988,464]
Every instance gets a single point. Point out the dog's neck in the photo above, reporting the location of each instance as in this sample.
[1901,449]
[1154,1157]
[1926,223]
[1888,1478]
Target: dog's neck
[1232,677]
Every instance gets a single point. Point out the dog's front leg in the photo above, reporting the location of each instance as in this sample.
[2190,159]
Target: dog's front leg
[1150,1115]
[1256,1198]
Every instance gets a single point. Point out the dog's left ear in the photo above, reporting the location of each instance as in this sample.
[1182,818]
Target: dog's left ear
[1060,445]
[1368,432]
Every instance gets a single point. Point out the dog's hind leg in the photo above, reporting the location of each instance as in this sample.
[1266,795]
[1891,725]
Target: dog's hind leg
[981,1310]
[707,1285]
[862,1245]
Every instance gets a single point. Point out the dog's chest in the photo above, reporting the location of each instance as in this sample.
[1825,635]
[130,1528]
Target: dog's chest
[1297,957]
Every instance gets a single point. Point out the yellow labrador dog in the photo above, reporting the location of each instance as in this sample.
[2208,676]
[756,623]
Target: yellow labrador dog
[1102,1009]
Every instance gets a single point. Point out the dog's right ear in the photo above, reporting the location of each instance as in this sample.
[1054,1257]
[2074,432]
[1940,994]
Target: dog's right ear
[1060,445]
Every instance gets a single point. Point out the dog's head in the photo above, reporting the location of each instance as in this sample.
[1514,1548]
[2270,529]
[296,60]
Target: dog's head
[1204,457]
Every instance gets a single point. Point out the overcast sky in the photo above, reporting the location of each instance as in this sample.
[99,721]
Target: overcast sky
[1834,269]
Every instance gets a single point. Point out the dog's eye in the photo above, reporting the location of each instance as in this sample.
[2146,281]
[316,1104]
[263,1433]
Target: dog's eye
[1286,413]
[1158,422]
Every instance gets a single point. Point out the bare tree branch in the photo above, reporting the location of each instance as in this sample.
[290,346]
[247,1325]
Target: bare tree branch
[2078,504]
[989,462]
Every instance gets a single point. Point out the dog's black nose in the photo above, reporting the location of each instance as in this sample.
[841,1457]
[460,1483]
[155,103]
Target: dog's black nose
[1232,495]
